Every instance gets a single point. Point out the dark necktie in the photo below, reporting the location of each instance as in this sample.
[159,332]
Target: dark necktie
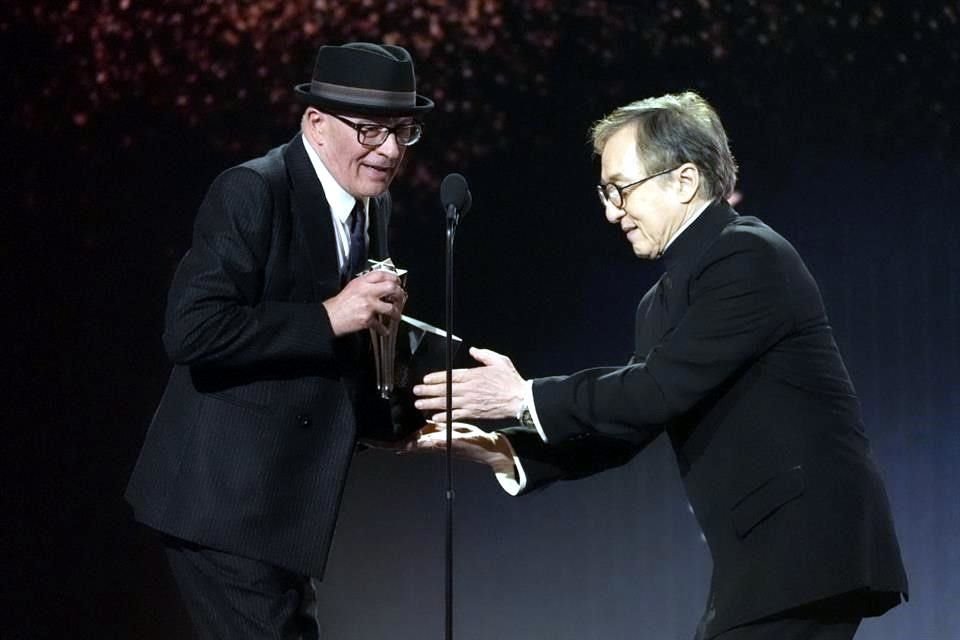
[358,246]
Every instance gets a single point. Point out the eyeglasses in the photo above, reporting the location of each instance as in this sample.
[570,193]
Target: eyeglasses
[614,194]
[373,135]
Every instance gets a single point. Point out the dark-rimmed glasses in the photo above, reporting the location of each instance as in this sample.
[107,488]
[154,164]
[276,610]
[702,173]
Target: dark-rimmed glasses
[614,194]
[373,135]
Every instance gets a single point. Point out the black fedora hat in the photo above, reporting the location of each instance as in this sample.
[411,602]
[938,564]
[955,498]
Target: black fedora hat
[365,79]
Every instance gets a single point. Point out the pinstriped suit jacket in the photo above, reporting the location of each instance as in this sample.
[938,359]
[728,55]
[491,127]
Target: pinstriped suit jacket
[249,448]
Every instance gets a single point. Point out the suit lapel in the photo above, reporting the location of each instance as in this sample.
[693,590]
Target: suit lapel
[666,302]
[652,321]
[311,217]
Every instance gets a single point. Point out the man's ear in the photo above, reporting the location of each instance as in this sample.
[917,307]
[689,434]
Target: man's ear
[315,121]
[688,179]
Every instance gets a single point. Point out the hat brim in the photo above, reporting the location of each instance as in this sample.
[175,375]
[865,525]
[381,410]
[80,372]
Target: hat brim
[422,105]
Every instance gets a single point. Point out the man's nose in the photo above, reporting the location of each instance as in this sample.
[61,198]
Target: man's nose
[612,213]
[390,147]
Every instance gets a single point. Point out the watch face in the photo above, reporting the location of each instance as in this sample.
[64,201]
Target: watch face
[525,418]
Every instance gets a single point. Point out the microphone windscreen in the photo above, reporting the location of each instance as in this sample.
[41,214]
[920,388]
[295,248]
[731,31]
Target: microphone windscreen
[454,191]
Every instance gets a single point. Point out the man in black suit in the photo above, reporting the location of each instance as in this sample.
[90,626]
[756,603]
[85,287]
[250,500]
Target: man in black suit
[736,362]
[246,457]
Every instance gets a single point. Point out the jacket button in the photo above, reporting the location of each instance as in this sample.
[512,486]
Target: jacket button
[304,420]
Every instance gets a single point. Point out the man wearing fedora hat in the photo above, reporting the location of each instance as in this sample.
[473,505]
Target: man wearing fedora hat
[245,460]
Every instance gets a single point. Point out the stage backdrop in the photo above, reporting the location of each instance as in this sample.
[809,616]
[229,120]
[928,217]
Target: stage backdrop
[118,114]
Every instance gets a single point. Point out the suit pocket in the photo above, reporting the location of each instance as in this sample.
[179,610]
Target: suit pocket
[239,388]
[257,397]
[766,499]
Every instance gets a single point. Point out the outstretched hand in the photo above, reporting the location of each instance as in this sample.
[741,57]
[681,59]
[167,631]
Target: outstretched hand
[489,392]
[467,443]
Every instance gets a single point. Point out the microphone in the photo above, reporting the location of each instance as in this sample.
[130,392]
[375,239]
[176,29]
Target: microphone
[455,196]
[456,200]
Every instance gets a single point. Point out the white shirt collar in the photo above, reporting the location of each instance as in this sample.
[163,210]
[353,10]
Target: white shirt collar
[341,203]
[686,224]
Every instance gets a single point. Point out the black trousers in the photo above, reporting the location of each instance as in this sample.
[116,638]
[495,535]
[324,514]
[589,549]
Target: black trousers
[234,598]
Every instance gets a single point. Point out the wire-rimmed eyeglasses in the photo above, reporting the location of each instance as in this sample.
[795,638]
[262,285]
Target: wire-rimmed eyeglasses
[372,135]
[614,194]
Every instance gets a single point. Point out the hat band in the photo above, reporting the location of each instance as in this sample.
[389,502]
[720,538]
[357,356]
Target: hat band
[361,96]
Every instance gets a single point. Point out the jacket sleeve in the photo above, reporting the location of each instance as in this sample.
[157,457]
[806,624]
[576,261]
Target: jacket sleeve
[216,311]
[578,457]
[739,305]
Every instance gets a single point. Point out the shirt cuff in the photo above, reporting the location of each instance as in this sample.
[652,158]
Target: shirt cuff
[528,401]
[512,481]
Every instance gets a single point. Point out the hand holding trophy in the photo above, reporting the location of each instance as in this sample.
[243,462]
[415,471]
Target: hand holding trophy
[385,344]
[404,350]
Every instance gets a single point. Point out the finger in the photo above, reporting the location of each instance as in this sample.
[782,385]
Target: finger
[488,357]
[396,310]
[433,442]
[378,275]
[437,403]
[382,307]
[438,386]
[440,377]
[417,446]
[429,390]
[396,298]
[457,414]
[435,395]
[436,377]
[431,427]
[363,283]
[385,289]
[460,429]
[419,443]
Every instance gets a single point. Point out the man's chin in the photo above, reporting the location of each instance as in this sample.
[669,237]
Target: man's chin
[644,252]
[374,188]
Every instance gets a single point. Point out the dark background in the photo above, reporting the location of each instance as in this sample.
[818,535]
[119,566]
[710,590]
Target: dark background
[117,115]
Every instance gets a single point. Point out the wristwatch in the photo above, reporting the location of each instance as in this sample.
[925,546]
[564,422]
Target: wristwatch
[524,415]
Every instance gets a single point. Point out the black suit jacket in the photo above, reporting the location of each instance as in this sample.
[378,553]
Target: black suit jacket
[736,361]
[249,448]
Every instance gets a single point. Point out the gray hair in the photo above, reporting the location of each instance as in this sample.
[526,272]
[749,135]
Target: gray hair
[671,130]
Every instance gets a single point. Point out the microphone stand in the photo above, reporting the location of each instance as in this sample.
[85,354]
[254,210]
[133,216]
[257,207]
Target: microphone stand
[452,219]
